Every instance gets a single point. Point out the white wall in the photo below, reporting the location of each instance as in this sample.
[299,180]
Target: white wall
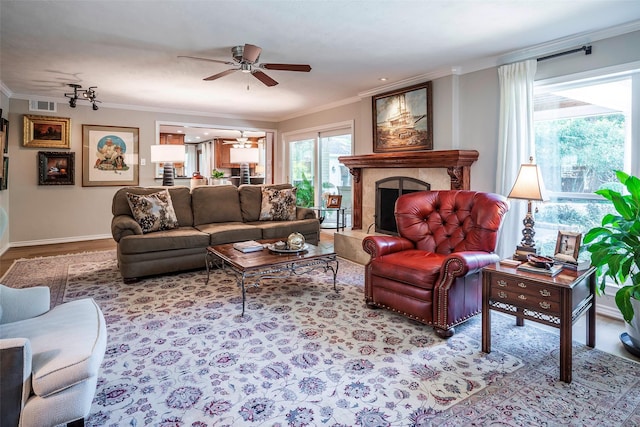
[51,213]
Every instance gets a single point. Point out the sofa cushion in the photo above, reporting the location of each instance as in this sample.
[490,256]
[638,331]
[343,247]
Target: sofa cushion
[154,212]
[278,204]
[180,197]
[215,203]
[229,232]
[68,344]
[167,240]
[251,199]
[282,229]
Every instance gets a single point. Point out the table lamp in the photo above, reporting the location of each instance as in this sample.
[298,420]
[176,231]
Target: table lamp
[244,156]
[528,186]
[167,154]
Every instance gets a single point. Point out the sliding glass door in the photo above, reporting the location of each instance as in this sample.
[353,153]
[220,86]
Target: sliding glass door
[315,169]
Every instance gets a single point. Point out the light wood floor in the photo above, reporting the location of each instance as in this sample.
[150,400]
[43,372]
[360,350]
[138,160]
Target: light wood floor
[608,330]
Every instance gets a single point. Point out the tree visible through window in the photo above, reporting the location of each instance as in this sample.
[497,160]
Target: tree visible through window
[582,135]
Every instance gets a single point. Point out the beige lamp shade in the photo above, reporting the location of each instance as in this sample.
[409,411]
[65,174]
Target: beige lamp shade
[529,184]
[167,153]
[244,155]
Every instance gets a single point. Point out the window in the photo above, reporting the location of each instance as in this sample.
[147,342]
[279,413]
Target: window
[315,170]
[583,132]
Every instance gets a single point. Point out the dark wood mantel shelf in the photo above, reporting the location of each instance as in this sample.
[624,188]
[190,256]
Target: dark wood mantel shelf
[457,162]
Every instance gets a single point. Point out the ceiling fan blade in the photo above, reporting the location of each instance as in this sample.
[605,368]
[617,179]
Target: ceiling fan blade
[287,67]
[251,53]
[264,78]
[206,59]
[222,74]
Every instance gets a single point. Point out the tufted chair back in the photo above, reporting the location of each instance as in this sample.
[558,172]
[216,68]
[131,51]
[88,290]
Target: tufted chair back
[450,221]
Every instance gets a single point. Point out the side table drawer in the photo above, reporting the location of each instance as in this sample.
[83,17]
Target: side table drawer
[527,287]
[523,300]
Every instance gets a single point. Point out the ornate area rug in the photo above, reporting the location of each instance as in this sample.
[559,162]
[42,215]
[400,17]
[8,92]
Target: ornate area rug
[180,354]
[49,271]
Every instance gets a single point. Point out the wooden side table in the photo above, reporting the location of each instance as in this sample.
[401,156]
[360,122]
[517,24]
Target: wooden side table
[555,301]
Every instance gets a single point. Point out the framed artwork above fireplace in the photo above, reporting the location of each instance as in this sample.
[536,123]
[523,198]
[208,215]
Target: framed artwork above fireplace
[403,119]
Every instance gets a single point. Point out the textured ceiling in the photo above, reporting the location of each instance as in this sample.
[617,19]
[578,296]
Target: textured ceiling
[130,50]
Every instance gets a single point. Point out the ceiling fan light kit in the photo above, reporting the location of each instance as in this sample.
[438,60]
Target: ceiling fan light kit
[245,59]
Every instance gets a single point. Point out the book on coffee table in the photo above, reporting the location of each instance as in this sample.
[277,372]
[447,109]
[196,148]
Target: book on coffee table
[248,246]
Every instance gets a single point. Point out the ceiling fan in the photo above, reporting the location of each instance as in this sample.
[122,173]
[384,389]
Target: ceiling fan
[240,142]
[245,59]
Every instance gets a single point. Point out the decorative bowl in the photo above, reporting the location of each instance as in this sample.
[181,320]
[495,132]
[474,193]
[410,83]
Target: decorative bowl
[540,261]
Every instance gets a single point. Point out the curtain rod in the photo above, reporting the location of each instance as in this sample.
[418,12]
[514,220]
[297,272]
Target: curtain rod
[587,51]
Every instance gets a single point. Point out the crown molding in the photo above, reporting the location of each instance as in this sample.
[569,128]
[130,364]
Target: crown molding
[514,56]
[147,108]
[567,43]
[4,89]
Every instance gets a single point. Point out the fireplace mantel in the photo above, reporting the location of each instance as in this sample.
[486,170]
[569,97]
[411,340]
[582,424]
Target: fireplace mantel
[457,162]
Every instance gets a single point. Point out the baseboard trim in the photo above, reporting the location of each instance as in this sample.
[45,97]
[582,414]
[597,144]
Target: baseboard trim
[57,241]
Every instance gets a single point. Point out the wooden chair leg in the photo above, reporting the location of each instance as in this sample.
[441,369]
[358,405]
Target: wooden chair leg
[445,333]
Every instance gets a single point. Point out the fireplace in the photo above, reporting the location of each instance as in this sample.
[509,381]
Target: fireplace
[451,167]
[387,192]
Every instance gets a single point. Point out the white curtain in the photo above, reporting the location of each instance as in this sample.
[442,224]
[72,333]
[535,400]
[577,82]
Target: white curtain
[515,143]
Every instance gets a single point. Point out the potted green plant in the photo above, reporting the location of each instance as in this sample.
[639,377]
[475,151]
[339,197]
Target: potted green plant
[217,177]
[615,251]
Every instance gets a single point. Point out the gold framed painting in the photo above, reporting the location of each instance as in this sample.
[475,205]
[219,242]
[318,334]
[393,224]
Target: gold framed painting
[46,132]
[403,119]
[109,156]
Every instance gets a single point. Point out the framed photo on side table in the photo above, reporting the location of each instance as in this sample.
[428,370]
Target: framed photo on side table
[56,168]
[109,156]
[568,246]
[46,132]
[403,119]
[334,201]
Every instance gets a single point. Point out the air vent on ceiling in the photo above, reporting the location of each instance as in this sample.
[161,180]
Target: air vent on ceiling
[42,106]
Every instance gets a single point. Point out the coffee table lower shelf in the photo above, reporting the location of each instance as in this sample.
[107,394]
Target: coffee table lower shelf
[251,268]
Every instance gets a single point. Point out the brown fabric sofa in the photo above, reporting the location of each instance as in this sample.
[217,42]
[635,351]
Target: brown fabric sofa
[207,215]
[431,272]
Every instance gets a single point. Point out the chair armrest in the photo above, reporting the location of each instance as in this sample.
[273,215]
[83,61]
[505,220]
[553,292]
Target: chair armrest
[15,371]
[378,246]
[23,303]
[124,225]
[305,213]
[460,264]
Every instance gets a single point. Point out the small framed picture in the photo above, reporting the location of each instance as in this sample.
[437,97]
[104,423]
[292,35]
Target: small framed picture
[46,132]
[568,246]
[56,168]
[334,201]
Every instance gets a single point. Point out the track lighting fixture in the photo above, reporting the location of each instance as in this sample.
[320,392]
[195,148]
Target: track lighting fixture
[78,93]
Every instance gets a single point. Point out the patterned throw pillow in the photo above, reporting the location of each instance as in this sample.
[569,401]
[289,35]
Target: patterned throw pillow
[278,205]
[154,212]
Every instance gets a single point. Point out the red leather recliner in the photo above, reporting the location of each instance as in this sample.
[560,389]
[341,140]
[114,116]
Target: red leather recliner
[431,272]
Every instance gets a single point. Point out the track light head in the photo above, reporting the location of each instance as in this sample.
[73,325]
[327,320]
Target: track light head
[78,93]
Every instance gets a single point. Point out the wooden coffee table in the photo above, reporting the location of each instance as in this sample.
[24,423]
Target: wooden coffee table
[265,264]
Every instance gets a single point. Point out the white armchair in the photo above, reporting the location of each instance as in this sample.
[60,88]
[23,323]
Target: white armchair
[49,359]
